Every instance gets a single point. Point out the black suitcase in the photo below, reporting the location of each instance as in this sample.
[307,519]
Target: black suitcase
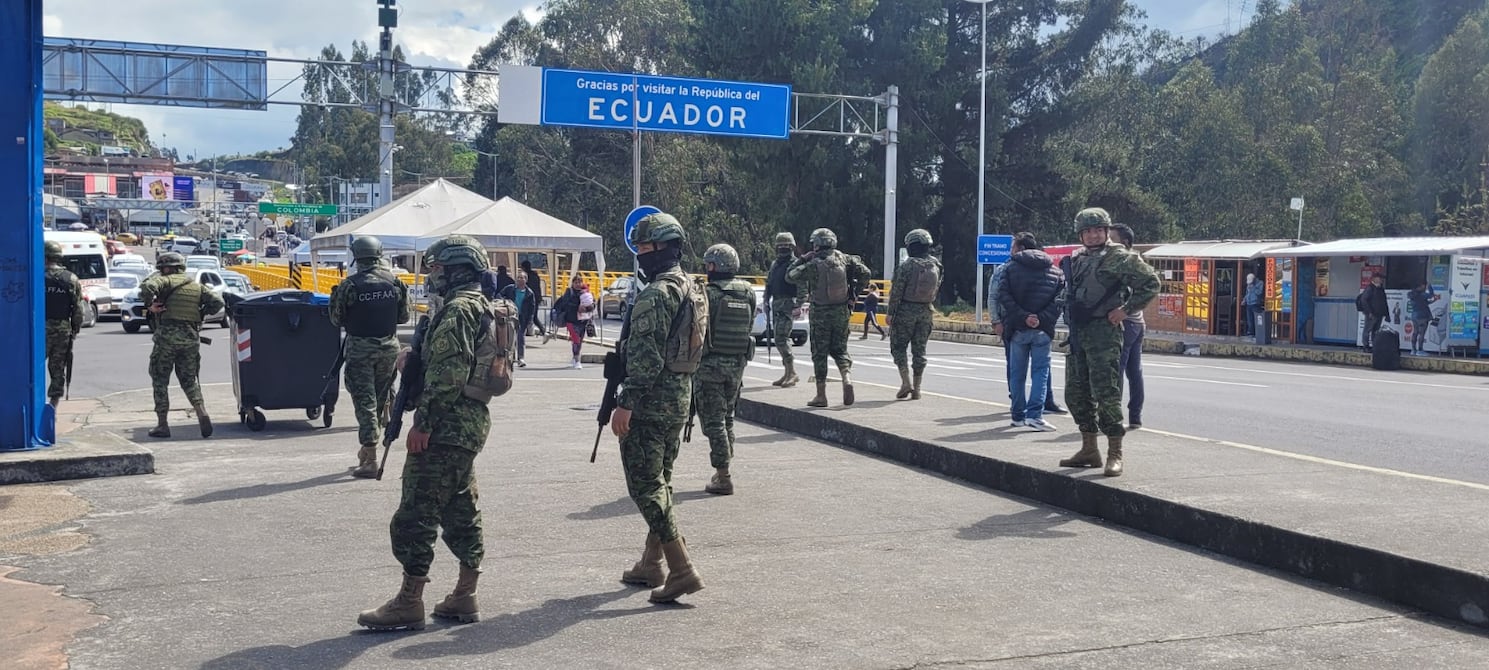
[1386,353]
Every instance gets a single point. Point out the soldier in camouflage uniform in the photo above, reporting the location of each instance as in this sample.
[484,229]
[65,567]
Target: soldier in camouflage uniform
[177,305]
[731,315]
[449,429]
[369,305]
[64,318]
[916,283]
[653,402]
[784,301]
[1106,284]
[831,279]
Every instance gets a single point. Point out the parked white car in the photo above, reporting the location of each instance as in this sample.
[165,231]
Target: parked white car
[133,313]
[799,325]
[201,262]
[120,285]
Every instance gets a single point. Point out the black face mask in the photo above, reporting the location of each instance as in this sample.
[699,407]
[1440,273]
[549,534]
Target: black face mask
[653,263]
[720,276]
[918,250]
[783,252]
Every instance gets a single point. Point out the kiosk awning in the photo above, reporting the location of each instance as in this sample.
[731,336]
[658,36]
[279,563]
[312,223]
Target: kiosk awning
[1230,250]
[1387,246]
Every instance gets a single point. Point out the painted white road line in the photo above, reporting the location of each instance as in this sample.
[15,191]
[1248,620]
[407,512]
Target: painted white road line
[1206,381]
[1235,445]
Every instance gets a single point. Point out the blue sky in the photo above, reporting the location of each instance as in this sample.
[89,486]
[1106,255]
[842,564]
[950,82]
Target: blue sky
[443,32]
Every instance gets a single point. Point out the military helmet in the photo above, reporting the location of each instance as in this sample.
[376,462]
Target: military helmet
[656,229]
[53,251]
[367,246]
[918,236]
[170,259]
[822,238]
[723,256]
[457,250]
[785,240]
[1092,217]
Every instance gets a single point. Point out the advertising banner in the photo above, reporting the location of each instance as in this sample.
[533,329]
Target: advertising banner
[185,188]
[157,187]
[1463,306]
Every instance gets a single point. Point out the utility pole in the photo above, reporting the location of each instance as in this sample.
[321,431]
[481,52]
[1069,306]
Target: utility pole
[981,155]
[387,19]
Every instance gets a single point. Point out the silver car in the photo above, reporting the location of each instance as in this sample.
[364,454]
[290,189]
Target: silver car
[132,311]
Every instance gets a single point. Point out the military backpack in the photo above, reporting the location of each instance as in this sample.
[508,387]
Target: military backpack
[689,330]
[922,281]
[491,374]
[831,287]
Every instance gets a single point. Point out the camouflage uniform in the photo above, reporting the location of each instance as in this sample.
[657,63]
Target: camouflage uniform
[64,318]
[731,313]
[910,322]
[783,298]
[439,483]
[369,306]
[175,340]
[659,400]
[829,323]
[656,394]
[1102,278]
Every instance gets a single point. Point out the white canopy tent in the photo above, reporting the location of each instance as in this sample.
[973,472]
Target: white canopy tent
[508,225]
[399,223]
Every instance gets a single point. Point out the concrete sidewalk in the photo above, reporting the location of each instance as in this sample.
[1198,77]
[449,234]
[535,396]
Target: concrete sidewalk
[256,550]
[1409,538]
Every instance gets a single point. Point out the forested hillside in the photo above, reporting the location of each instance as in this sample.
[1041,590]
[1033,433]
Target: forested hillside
[1371,110]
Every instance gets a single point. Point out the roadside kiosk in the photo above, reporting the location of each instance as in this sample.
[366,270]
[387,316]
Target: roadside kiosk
[1203,285]
[1331,274]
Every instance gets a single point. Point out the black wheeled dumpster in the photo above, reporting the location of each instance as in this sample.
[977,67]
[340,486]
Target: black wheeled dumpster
[283,354]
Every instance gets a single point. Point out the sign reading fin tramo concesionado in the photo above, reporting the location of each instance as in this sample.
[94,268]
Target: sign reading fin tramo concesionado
[667,104]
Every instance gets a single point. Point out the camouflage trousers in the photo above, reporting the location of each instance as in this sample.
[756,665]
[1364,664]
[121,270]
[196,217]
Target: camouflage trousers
[647,453]
[1093,380]
[715,393]
[59,345]
[780,330]
[829,337]
[439,492]
[369,381]
[175,350]
[909,327]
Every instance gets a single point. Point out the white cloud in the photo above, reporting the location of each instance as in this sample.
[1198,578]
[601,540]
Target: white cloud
[443,32]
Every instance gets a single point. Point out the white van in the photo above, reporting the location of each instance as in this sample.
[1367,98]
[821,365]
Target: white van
[84,255]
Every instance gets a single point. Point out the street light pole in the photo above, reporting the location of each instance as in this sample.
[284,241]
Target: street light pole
[981,154]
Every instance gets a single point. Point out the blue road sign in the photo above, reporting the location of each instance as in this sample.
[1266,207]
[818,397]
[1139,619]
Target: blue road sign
[994,249]
[668,104]
[634,218]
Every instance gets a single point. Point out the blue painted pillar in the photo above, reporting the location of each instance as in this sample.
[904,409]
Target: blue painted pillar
[26,421]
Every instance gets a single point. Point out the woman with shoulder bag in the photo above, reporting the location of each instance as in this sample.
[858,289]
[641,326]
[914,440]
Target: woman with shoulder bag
[578,309]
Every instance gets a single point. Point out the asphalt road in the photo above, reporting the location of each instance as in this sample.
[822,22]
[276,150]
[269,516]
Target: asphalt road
[1417,422]
[108,360]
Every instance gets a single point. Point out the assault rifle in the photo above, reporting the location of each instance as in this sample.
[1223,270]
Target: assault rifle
[410,387]
[687,431]
[67,382]
[770,330]
[331,376]
[615,373]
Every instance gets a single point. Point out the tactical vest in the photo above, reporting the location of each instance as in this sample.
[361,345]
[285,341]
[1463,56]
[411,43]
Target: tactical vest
[184,302]
[60,300]
[1091,298]
[831,287]
[373,307]
[730,317]
[776,285]
[922,281]
[689,328]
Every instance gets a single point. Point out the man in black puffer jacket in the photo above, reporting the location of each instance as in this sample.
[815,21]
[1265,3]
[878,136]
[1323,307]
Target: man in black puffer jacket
[1030,303]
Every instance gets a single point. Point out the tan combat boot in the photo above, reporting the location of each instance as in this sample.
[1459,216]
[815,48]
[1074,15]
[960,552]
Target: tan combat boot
[1088,457]
[847,388]
[405,610]
[821,399]
[162,428]
[915,390]
[202,420]
[647,571]
[1113,456]
[682,579]
[460,605]
[366,462]
[720,484]
[789,379]
[905,387]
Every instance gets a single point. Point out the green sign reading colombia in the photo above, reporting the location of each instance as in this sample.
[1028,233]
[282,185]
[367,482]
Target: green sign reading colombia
[297,209]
